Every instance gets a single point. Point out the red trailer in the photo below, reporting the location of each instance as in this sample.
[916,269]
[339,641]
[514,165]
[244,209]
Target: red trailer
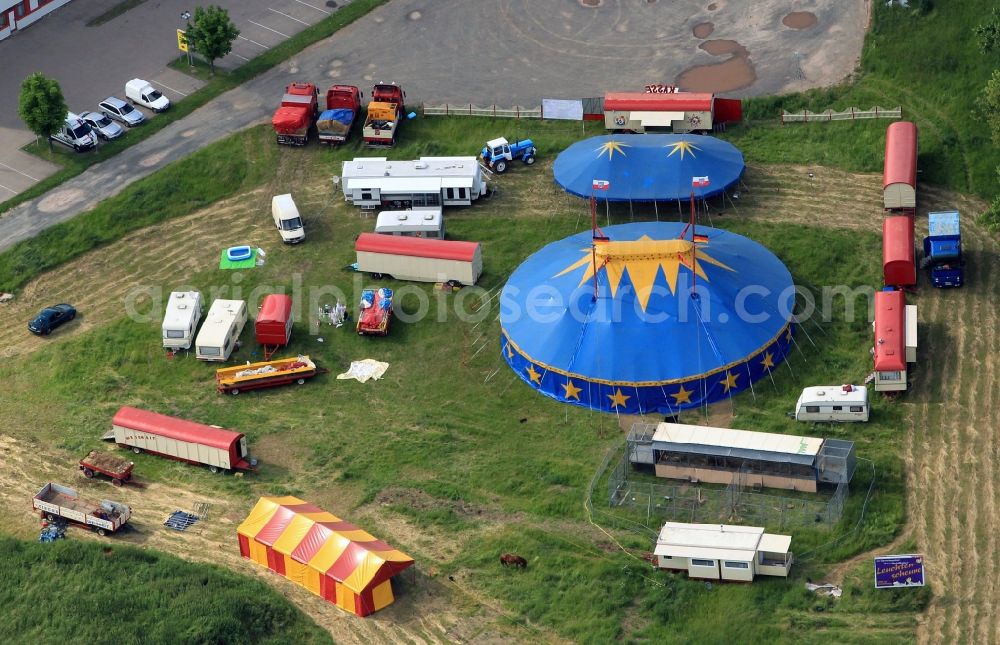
[195,443]
[899,175]
[679,111]
[118,469]
[899,268]
[890,341]
[273,327]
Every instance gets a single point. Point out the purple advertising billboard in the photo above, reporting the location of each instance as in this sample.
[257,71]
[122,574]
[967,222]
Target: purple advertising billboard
[893,571]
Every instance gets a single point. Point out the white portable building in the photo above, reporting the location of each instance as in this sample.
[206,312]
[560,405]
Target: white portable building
[838,403]
[223,326]
[180,321]
[419,222]
[376,182]
[723,551]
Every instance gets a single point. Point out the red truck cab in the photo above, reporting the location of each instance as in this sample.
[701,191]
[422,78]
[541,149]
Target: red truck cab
[296,114]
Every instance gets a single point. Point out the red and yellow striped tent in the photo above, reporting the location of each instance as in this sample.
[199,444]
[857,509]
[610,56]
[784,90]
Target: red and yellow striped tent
[332,558]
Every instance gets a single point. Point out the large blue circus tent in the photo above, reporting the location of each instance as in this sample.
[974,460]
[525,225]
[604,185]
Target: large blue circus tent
[650,341]
[648,167]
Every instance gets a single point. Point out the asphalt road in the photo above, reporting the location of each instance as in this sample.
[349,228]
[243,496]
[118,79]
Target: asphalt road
[507,51]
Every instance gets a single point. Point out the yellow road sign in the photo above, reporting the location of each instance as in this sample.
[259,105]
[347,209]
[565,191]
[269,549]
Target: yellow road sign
[182,41]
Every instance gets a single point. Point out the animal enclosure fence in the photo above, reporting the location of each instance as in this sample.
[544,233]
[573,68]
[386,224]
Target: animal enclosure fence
[649,503]
[470,109]
[850,114]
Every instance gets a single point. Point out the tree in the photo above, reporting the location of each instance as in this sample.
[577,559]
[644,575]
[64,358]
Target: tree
[988,33]
[41,105]
[212,33]
[989,105]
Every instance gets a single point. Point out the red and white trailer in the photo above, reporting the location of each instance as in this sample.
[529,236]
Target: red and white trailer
[195,443]
[55,501]
[273,327]
[895,346]
[899,268]
[419,259]
[677,111]
[899,175]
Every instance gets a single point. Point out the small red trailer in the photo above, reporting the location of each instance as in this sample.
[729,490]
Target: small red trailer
[375,313]
[899,267]
[118,469]
[899,175]
[273,327]
[195,443]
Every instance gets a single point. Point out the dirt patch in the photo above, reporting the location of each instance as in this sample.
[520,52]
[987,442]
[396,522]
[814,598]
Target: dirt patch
[800,20]
[703,30]
[734,74]
[723,48]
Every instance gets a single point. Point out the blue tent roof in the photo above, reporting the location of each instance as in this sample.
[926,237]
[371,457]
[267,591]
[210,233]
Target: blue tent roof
[646,343]
[648,167]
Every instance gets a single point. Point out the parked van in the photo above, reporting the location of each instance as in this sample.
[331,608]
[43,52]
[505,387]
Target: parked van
[223,326]
[419,222]
[837,403]
[75,133]
[141,92]
[181,319]
[287,219]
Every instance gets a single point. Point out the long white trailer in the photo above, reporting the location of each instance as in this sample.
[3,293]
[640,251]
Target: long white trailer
[376,182]
[419,259]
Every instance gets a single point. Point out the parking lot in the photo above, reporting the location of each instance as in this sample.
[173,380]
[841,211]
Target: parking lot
[89,64]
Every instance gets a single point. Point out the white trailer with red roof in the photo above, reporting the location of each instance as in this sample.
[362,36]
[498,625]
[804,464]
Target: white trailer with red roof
[677,111]
[419,259]
[180,439]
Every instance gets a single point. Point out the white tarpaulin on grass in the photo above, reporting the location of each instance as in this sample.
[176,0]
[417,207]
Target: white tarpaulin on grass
[364,371]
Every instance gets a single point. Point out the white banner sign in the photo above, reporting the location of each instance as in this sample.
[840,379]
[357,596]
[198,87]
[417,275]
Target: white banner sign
[569,109]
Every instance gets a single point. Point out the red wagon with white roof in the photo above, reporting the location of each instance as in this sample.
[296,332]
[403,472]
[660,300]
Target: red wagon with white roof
[180,439]
[419,259]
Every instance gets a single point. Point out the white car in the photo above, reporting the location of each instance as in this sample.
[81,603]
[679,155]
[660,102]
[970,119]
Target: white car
[141,92]
[102,125]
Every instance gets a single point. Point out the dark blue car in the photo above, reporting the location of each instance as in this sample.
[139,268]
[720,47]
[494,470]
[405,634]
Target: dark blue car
[50,318]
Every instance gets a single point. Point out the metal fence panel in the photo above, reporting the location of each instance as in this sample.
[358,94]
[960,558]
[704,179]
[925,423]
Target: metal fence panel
[850,114]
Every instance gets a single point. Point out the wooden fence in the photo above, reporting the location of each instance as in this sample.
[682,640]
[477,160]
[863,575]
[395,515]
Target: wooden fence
[469,109]
[851,114]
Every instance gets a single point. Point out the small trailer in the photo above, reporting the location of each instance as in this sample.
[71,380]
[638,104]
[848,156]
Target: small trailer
[899,268]
[54,501]
[264,374]
[899,174]
[419,259]
[181,319]
[895,347]
[118,469]
[836,403]
[273,327]
[180,439]
[419,222]
[375,312]
[222,328]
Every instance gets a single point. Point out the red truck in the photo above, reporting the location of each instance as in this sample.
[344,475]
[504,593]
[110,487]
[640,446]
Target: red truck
[343,103]
[296,114]
[384,112]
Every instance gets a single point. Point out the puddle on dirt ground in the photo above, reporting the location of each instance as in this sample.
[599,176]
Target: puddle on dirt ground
[713,7]
[800,20]
[735,73]
[703,29]
[591,4]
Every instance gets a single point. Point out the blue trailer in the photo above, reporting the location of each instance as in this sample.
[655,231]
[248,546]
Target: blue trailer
[943,249]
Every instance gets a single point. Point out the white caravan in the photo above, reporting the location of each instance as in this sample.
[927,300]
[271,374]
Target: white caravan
[223,326]
[837,403]
[181,319]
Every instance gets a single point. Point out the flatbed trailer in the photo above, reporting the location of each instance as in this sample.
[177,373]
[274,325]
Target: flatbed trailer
[118,469]
[54,501]
[254,376]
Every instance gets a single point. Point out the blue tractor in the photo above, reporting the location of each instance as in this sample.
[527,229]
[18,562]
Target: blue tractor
[498,153]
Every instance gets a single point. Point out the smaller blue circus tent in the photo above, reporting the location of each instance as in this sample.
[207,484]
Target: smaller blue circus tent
[675,323]
[648,167]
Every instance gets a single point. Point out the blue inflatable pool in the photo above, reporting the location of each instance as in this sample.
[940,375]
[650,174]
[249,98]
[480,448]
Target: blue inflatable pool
[238,253]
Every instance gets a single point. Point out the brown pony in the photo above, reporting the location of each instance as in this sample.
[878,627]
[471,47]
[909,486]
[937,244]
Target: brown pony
[511,560]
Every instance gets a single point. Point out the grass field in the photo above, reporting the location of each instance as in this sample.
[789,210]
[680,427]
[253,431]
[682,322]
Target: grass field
[75,591]
[458,477]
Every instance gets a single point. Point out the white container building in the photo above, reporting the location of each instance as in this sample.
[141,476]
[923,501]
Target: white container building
[376,182]
[723,551]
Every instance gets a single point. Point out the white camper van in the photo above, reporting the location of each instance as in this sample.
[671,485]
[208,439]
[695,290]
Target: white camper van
[223,326]
[837,403]
[419,222]
[141,92]
[181,319]
[287,219]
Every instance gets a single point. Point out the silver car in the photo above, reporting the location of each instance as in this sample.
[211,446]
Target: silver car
[119,110]
[102,125]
